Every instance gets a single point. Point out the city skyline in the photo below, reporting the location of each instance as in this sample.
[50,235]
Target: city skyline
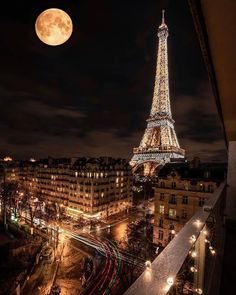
[92,95]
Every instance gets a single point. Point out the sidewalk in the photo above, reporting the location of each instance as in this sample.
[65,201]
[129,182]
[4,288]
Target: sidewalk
[41,281]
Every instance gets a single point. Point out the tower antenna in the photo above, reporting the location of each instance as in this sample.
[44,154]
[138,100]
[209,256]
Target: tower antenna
[163,16]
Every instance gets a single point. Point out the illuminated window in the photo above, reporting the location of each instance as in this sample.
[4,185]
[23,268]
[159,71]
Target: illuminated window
[117,179]
[172,212]
[102,194]
[161,209]
[76,174]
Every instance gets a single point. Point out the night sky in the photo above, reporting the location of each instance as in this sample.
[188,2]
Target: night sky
[92,95]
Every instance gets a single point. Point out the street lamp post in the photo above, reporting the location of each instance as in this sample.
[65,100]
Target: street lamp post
[4,196]
[4,200]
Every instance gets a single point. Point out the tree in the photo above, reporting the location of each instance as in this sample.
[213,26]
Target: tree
[30,203]
[9,198]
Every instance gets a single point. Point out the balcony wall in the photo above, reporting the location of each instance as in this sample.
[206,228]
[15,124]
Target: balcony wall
[191,262]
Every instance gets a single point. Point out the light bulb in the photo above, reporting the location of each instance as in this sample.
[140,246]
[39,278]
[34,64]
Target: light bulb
[170,281]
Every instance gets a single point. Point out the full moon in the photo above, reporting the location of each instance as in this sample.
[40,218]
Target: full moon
[53,26]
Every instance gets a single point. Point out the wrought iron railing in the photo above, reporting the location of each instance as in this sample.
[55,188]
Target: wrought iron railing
[191,262]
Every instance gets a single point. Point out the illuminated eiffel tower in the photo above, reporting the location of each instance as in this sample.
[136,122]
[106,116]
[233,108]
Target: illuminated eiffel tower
[159,144]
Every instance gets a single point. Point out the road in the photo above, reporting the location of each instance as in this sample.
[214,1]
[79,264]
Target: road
[107,276]
[65,271]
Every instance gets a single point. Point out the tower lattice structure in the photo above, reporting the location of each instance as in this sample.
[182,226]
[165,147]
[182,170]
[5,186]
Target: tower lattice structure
[159,144]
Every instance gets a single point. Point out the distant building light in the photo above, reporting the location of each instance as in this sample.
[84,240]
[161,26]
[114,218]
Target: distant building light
[32,160]
[7,159]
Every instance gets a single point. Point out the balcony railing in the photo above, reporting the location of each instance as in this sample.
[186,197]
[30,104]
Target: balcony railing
[191,262]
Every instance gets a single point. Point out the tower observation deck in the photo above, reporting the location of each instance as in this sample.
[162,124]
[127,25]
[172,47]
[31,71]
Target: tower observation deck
[159,144]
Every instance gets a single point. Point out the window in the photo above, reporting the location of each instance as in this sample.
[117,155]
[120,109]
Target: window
[173,184]
[161,209]
[172,213]
[162,196]
[172,227]
[171,236]
[207,174]
[202,187]
[185,200]
[161,222]
[162,184]
[172,199]
[160,235]
[210,188]
[186,186]
[201,202]
[184,213]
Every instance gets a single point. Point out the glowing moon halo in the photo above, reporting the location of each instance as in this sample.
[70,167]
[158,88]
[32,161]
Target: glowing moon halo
[53,26]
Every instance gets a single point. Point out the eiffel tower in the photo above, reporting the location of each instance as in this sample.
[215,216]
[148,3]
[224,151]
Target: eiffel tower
[159,144]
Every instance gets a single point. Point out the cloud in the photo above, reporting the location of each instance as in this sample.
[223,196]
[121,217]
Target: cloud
[92,96]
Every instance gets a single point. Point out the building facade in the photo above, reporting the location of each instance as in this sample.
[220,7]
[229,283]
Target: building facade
[9,170]
[182,189]
[87,187]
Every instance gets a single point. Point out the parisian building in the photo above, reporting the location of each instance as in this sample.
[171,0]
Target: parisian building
[87,187]
[181,189]
[9,170]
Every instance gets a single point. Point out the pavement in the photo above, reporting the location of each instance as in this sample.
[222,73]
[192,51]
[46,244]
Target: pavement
[69,271]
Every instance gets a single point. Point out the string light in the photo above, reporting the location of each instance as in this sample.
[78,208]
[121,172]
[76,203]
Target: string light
[193,239]
[170,281]
[205,232]
[148,265]
[213,252]
[193,269]
[194,254]
[198,291]
[198,223]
